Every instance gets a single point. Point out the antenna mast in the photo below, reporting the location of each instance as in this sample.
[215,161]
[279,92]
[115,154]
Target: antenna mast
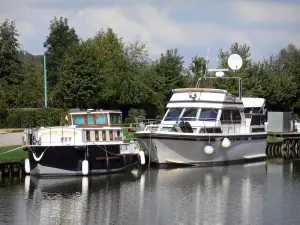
[206,60]
[235,62]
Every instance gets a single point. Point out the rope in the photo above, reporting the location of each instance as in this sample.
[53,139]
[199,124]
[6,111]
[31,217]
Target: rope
[108,151]
[40,157]
[11,150]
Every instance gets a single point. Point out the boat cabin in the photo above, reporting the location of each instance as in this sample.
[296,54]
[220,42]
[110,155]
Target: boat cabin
[254,109]
[85,126]
[94,118]
[205,110]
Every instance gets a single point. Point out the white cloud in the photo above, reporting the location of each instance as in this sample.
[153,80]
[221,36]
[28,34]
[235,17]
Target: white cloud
[263,11]
[88,21]
[275,36]
[161,26]
[154,25]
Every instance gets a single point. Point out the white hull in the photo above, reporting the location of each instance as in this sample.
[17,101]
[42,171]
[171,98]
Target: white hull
[180,149]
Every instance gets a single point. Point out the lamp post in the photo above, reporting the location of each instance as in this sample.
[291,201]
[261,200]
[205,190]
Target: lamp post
[45,82]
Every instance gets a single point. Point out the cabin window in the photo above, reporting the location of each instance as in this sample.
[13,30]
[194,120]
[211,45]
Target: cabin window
[173,114]
[208,114]
[231,116]
[79,119]
[96,135]
[111,135]
[90,119]
[103,135]
[115,118]
[236,116]
[88,136]
[118,118]
[248,110]
[257,119]
[190,114]
[256,110]
[101,119]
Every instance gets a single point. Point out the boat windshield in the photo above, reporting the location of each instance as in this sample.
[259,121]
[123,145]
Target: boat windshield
[208,114]
[190,114]
[173,114]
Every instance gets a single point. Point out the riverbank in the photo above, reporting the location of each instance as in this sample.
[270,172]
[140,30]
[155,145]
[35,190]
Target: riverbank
[12,153]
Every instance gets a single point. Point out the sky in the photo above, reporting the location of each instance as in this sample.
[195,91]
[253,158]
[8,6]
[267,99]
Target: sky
[191,26]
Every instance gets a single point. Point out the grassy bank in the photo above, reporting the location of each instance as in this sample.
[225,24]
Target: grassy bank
[18,154]
[127,135]
[272,138]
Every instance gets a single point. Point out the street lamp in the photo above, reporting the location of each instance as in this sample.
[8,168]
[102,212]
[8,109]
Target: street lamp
[45,82]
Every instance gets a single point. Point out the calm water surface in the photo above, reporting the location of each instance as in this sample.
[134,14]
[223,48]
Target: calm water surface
[241,194]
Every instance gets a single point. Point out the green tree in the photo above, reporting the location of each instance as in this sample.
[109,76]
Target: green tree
[242,50]
[232,84]
[3,106]
[103,72]
[79,78]
[133,114]
[198,66]
[26,56]
[60,39]
[10,75]
[289,63]
[197,69]
[9,60]
[92,72]
[170,67]
[280,86]
[30,92]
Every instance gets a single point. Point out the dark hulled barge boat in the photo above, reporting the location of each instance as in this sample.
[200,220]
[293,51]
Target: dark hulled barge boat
[92,143]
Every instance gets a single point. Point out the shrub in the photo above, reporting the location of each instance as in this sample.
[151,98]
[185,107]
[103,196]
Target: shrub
[133,113]
[33,117]
[48,117]
[3,113]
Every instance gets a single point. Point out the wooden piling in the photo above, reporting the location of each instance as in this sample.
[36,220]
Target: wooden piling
[10,168]
[286,146]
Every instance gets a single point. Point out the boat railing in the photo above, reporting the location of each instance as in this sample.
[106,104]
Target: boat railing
[217,126]
[141,122]
[68,136]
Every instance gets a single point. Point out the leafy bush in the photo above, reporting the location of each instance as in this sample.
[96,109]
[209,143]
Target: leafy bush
[134,113]
[13,119]
[3,118]
[27,118]
[33,117]
[48,117]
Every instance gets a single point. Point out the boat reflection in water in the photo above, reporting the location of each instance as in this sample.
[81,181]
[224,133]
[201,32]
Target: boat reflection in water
[239,194]
[74,200]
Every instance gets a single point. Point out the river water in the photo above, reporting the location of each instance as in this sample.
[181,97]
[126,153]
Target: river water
[239,194]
